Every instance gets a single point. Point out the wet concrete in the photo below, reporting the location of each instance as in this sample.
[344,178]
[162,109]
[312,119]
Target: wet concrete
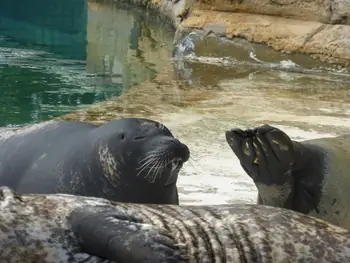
[218,98]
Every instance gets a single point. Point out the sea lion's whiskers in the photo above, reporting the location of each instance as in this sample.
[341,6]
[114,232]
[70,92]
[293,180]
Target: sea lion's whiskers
[149,158]
[166,162]
[149,174]
[156,156]
[158,167]
[150,155]
[146,165]
[155,167]
[148,162]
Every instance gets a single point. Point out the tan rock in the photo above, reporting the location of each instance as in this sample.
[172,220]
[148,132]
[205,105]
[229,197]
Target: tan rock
[309,34]
[327,42]
[326,11]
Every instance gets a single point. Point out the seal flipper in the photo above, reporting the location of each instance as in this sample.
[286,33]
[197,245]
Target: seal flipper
[113,234]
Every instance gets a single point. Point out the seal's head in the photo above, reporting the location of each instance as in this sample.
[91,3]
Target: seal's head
[267,155]
[141,153]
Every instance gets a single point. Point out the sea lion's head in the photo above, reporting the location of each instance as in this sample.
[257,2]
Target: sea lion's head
[145,153]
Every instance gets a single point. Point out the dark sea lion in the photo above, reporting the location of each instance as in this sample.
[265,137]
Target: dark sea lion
[127,160]
[68,228]
[310,177]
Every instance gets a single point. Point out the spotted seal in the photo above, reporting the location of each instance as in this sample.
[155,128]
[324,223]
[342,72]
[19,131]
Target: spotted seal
[310,177]
[128,160]
[69,228]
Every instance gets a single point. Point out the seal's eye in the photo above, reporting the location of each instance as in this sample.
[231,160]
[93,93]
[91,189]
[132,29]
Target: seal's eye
[122,136]
[139,138]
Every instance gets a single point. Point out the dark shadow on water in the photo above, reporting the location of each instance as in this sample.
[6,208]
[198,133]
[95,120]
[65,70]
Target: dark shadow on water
[61,55]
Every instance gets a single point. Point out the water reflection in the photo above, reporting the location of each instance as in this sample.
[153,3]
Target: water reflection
[196,53]
[51,65]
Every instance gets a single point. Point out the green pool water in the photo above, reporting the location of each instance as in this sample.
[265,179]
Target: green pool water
[59,56]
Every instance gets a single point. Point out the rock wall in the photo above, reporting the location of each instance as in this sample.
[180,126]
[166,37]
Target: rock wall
[319,28]
[325,11]
[327,42]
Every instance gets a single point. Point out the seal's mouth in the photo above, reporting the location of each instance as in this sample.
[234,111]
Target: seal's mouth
[163,163]
[174,166]
[181,155]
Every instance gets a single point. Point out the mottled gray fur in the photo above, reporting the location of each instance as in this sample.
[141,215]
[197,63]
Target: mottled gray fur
[36,228]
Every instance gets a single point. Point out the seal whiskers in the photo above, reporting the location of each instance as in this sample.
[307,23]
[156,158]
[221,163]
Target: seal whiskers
[156,161]
[121,160]
[153,163]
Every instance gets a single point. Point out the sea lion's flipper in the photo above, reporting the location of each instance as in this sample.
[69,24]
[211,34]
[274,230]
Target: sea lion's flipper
[113,234]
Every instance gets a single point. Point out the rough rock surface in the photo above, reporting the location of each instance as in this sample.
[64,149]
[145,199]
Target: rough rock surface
[322,27]
[330,43]
[326,11]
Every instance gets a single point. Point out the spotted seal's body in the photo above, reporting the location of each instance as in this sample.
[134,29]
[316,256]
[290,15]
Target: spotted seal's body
[310,177]
[128,160]
[67,228]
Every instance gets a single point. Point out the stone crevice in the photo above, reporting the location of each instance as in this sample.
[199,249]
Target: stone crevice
[311,35]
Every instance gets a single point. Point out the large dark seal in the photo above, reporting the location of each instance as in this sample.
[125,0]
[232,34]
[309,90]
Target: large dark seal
[68,228]
[311,177]
[127,160]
